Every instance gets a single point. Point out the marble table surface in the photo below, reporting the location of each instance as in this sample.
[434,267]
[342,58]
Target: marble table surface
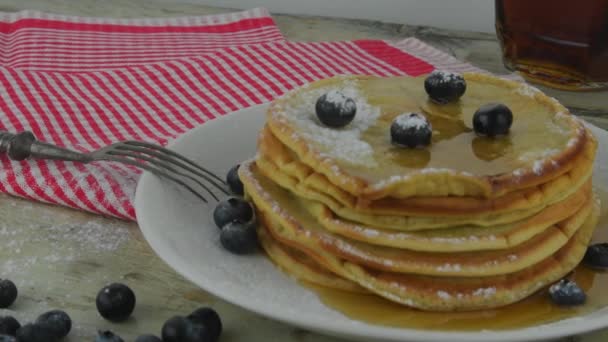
[60,258]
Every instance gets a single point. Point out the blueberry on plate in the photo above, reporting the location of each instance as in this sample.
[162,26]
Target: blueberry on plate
[210,319]
[8,293]
[115,302]
[9,325]
[232,209]
[234,182]
[411,130]
[597,256]
[7,338]
[174,329]
[57,321]
[35,333]
[443,87]
[492,119]
[567,293]
[335,110]
[148,338]
[107,336]
[239,237]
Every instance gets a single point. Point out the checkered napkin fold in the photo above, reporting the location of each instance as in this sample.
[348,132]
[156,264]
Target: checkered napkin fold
[84,83]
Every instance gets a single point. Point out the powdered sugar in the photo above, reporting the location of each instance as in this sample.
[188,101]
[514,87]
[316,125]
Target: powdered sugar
[527,90]
[344,144]
[449,268]
[444,295]
[485,292]
[408,121]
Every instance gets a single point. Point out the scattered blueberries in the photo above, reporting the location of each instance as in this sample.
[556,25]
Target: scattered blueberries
[107,336]
[57,321]
[567,293]
[9,325]
[8,338]
[597,256]
[8,293]
[233,209]
[208,317]
[148,338]
[335,110]
[35,333]
[234,182]
[411,130]
[202,325]
[492,119]
[115,302]
[444,87]
[239,238]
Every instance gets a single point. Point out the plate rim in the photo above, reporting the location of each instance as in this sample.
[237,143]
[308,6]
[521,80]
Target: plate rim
[579,325]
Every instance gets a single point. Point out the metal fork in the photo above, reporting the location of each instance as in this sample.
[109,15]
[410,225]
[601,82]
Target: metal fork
[158,160]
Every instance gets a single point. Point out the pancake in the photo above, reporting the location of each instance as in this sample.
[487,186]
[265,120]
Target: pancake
[453,293]
[294,222]
[452,239]
[543,143]
[276,162]
[391,216]
[301,267]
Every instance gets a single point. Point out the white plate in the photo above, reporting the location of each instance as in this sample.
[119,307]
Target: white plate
[180,229]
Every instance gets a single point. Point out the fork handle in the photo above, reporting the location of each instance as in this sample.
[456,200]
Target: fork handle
[24,145]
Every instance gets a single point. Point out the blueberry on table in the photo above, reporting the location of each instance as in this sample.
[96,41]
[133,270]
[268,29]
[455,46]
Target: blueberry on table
[492,119]
[148,338]
[196,333]
[115,302]
[107,336]
[239,237]
[567,293]
[335,110]
[35,333]
[597,256]
[9,325]
[8,338]
[444,87]
[174,329]
[234,182]
[8,293]
[210,319]
[232,209]
[57,321]
[411,130]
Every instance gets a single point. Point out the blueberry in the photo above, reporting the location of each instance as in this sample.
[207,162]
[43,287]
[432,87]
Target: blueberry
[196,333]
[115,302]
[597,256]
[239,238]
[7,338]
[492,119]
[8,293]
[35,333]
[335,110]
[234,182]
[232,209]
[174,329]
[148,338]
[411,130]
[210,319]
[9,325]
[57,321]
[443,87]
[567,293]
[107,336]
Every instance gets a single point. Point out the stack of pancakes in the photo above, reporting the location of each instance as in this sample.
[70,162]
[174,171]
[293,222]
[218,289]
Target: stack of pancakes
[466,223]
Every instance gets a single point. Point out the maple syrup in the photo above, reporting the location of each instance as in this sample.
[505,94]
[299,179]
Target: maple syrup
[534,310]
[560,43]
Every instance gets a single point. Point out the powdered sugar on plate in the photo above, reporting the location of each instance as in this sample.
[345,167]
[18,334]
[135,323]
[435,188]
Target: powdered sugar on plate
[343,144]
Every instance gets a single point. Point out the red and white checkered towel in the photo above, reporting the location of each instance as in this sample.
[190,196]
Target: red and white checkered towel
[84,98]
